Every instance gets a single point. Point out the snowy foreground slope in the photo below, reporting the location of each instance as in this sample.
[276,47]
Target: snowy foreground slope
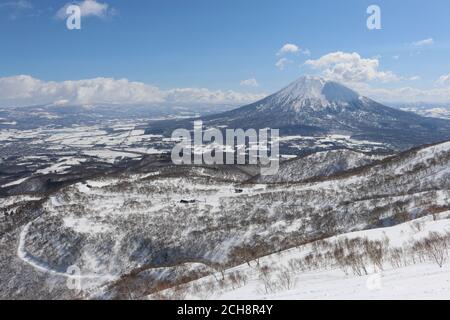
[280,276]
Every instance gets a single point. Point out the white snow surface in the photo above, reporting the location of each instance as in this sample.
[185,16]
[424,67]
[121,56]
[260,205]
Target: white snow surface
[315,92]
[418,281]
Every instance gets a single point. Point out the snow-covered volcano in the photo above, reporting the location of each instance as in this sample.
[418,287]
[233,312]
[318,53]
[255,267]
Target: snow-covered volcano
[313,92]
[314,106]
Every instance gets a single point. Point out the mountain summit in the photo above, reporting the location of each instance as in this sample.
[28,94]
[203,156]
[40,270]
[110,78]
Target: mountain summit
[315,106]
[313,92]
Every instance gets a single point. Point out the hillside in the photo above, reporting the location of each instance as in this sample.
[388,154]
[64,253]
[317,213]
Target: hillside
[313,272]
[135,223]
[319,164]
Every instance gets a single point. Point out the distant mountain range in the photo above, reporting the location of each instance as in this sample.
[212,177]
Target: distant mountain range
[434,110]
[314,106]
[36,116]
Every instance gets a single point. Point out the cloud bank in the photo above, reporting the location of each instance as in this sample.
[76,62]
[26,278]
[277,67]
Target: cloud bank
[24,90]
[405,94]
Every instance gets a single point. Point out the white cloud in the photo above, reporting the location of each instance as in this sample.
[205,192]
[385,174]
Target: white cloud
[306,52]
[292,48]
[249,82]
[443,80]
[17,8]
[424,42]
[350,67]
[24,90]
[357,72]
[17,5]
[89,8]
[281,64]
[403,94]
[396,57]
[288,48]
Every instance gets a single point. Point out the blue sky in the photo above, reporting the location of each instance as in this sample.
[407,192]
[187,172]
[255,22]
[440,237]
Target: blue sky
[218,44]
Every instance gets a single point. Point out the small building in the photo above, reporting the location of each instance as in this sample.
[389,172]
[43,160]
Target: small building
[187,201]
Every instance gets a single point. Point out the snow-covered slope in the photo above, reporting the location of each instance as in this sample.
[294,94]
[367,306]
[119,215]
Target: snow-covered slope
[320,164]
[110,227]
[312,92]
[312,272]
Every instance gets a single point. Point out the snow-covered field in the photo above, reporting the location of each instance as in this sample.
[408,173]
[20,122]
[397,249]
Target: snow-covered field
[324,142]
[85,138]
[59,149]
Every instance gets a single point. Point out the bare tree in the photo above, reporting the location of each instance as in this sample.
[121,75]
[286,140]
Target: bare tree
[286,279]
[265,276]
[436,247]
[237,279]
